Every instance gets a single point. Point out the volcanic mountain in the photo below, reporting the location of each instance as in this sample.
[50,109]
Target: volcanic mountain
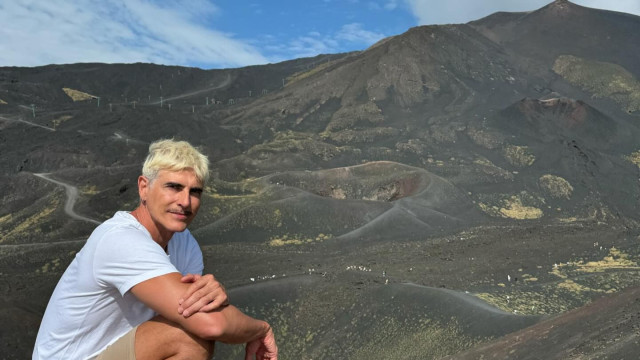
[450,190]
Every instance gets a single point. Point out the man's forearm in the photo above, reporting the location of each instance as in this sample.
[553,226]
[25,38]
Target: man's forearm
[238,328]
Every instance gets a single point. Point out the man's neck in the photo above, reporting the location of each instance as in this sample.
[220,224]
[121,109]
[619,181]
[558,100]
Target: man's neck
[158,235]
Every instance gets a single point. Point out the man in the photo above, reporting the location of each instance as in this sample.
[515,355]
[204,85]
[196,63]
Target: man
[123,296]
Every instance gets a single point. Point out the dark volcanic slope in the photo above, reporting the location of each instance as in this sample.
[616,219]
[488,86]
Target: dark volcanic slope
[563,27]
[374,201]
[606,329]
[498,157]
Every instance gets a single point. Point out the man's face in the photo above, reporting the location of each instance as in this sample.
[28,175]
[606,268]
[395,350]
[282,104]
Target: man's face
[172,199]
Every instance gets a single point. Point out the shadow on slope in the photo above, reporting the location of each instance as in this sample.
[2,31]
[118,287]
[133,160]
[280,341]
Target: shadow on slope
[337,318]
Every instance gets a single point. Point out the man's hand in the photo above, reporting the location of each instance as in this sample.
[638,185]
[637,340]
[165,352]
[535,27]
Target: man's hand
[263,348]
[204,294]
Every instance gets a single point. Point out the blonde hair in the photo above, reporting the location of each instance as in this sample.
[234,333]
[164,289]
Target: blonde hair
[168,154]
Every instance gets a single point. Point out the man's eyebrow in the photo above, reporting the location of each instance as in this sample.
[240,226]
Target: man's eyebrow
[173,184]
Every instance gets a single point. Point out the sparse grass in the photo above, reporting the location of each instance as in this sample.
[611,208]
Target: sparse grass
[602,79]
[305,74]
[76,95]
[485,139]
[427,339]
[515,210]
[579,282]
[30,224]
[296,239]
[519,156]
[89,190]
[297,142]
[556,186]
[56,122]
[634,157]
[349,116]
[519,207]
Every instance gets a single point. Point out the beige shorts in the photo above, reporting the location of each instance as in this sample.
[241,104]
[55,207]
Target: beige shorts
[123,349]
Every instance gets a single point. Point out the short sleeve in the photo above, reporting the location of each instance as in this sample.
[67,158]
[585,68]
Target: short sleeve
[126,257]
[186,254]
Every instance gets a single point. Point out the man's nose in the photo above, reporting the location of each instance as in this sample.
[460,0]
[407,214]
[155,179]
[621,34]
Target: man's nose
[184,199]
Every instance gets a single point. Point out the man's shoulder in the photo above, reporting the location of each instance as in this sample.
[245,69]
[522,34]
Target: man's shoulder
[121,220]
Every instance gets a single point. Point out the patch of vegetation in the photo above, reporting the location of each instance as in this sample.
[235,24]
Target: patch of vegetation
[2,102]
[519,156]
[296,239]
[602,79]
[76,95]
[522,206]
[361,136]
[415,146]
[634,157]
[305,74]
[224,198]
[487,140]
[348,117]
[428,339]
[556,186]
[57,121]
[89,190]
[291,141]
[579,282]
[17,226]
[486,167]
[51,266]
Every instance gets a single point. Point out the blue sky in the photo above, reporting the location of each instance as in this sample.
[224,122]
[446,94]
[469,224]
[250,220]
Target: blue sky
[225,33]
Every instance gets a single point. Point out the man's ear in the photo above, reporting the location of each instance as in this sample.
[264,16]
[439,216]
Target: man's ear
[143,187]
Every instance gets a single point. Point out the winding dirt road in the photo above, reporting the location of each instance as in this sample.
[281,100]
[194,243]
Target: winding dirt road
[72,197]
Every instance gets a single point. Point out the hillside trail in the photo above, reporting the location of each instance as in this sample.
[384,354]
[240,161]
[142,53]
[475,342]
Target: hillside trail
[224,83]
[72,197]
[27,122]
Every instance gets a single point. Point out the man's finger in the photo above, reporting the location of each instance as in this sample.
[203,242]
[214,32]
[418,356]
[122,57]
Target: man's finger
[195,286]
[190,278]
[206,303]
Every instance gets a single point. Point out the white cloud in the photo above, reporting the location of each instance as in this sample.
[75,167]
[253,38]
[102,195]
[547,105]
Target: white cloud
[37,32]
[314,43]
[391,5]
[627,6]
[355,33]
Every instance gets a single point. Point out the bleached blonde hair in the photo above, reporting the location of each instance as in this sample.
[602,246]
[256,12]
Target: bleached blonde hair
[168,154]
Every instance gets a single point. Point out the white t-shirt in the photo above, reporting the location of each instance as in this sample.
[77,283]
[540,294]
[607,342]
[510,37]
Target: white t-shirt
[91,307]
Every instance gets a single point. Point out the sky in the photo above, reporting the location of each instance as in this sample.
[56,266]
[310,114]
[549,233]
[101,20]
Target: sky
[214,34]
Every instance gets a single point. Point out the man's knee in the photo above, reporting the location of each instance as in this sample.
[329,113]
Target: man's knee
[163,338]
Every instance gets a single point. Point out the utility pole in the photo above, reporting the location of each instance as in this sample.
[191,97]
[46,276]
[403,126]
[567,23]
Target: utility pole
[98,101]
[160,101]
[193,108]
[110,107]
[169,107]
[134,104]
[33,110]
[249,93]
[207,100]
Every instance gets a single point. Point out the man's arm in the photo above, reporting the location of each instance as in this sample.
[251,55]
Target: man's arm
[227,324]
[204,293]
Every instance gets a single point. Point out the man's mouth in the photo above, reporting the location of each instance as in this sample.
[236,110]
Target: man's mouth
[181,213]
